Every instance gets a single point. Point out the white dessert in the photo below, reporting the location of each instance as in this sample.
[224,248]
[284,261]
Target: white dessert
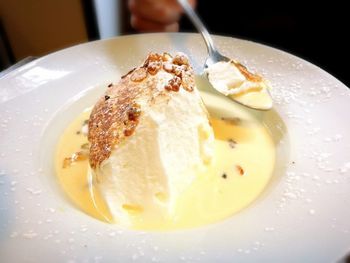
[149,135]
[233,79]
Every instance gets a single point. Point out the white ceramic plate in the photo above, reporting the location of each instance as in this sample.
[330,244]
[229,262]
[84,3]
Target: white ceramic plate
[303,216]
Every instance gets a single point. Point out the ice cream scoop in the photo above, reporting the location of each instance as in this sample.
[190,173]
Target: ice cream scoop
[149,134]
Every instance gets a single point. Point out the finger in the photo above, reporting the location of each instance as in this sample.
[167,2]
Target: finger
[144,25]
[165,11]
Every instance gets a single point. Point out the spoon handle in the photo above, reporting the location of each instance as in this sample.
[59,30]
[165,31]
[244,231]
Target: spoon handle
[199,26]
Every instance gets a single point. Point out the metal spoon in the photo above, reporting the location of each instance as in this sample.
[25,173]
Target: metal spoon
[215,56]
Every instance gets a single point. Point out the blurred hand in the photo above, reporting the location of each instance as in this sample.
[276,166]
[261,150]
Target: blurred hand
[156,15]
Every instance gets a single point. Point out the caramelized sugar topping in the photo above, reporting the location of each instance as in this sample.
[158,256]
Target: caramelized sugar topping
[117,113]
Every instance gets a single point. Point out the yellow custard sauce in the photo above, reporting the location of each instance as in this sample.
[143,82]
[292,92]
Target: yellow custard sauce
[242,167]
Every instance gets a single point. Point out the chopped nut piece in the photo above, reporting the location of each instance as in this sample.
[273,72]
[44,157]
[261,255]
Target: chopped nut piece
[139,74]
[154,67]
[78,156]
[246,73]
[129,132]
[178,71]
[173,84]
[153,57]
[134,112]
[166,57]
[180,59]
[187,82]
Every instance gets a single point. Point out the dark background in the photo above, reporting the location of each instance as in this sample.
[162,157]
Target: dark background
[316,32]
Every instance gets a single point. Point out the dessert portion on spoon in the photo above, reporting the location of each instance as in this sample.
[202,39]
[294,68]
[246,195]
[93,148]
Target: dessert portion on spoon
[233,79]
[149,135]
[229,77]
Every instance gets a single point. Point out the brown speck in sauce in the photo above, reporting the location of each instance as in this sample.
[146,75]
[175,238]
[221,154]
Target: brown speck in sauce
[240,170]
[85,146]
[224,175]
[232,121]
[232,143]
[78,132]
[107,97]
[110,85]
